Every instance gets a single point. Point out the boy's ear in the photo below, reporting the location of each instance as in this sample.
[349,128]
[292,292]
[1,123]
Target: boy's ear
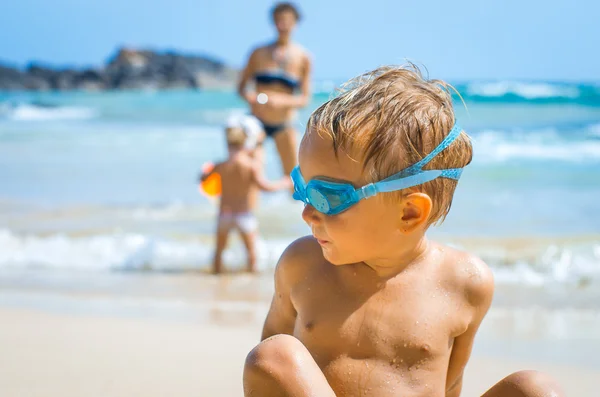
[416,210]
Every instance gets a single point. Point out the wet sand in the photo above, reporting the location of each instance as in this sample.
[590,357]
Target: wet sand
[187,335]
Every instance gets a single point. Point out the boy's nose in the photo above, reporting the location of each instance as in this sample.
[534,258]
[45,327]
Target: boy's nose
[311,215]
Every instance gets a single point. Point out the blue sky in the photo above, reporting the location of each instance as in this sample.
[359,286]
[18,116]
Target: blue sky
[458,40]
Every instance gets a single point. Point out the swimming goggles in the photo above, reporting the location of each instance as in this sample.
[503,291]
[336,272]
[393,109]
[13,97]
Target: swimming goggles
[331,198]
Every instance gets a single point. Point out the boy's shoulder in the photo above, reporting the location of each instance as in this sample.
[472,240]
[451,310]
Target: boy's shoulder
[250,163]
[221,164]
[239,162]
[301,256]
[467,274]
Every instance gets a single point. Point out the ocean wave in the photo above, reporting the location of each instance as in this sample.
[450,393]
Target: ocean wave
[549,144]
[524,90]
[506,92]
[126,252]
[538,264]
[532,92]
[574,264]
[37,112]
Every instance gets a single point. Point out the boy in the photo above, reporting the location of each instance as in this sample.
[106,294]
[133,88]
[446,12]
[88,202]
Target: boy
[367,305]
[241,178]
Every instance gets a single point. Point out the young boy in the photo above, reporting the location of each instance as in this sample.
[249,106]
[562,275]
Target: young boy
[241,178]
[368,305]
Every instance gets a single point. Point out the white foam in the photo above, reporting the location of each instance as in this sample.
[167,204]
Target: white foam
[172,211]
[559,265]
[525,90]
[499,146]
[571,265]
[27,112]
[124,251]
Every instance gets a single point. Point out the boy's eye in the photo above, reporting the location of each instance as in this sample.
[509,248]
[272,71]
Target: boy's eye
[318,200]
[335,200]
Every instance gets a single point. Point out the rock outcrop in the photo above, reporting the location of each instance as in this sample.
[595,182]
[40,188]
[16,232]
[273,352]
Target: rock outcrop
[128,69]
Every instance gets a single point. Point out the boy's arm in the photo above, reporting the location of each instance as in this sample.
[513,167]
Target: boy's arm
[268,186]
[281,318]
[205,174]
[479,290]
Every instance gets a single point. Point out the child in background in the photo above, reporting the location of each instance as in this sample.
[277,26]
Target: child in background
[241,179]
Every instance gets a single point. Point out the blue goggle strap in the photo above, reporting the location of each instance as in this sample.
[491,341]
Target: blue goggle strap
[398,184]
[418,166]
[414,174]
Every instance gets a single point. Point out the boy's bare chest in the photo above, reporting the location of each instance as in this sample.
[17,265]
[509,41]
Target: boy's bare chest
[404,323]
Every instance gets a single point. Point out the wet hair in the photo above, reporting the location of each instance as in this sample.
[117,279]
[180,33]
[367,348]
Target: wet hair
[282,7]
[389,119]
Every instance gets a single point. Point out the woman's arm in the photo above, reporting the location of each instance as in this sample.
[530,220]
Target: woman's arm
[246,75]
[305,87]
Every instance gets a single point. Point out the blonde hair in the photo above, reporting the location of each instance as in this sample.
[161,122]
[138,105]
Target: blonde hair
[236,136]
[393,117]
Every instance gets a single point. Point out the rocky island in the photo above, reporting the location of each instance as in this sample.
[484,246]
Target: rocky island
[127,69]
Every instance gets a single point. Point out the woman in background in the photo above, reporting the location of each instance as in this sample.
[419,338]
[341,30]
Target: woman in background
[281,75]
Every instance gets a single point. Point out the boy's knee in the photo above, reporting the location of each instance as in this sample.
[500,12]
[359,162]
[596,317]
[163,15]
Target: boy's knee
[534,384]
[275,355]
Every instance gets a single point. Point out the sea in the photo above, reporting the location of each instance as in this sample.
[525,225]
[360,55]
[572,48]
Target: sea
[101,184]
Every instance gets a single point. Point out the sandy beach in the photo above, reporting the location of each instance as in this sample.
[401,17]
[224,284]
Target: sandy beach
[187,335]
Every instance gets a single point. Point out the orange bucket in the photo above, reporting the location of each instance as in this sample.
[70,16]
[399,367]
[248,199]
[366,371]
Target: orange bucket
[211,186]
